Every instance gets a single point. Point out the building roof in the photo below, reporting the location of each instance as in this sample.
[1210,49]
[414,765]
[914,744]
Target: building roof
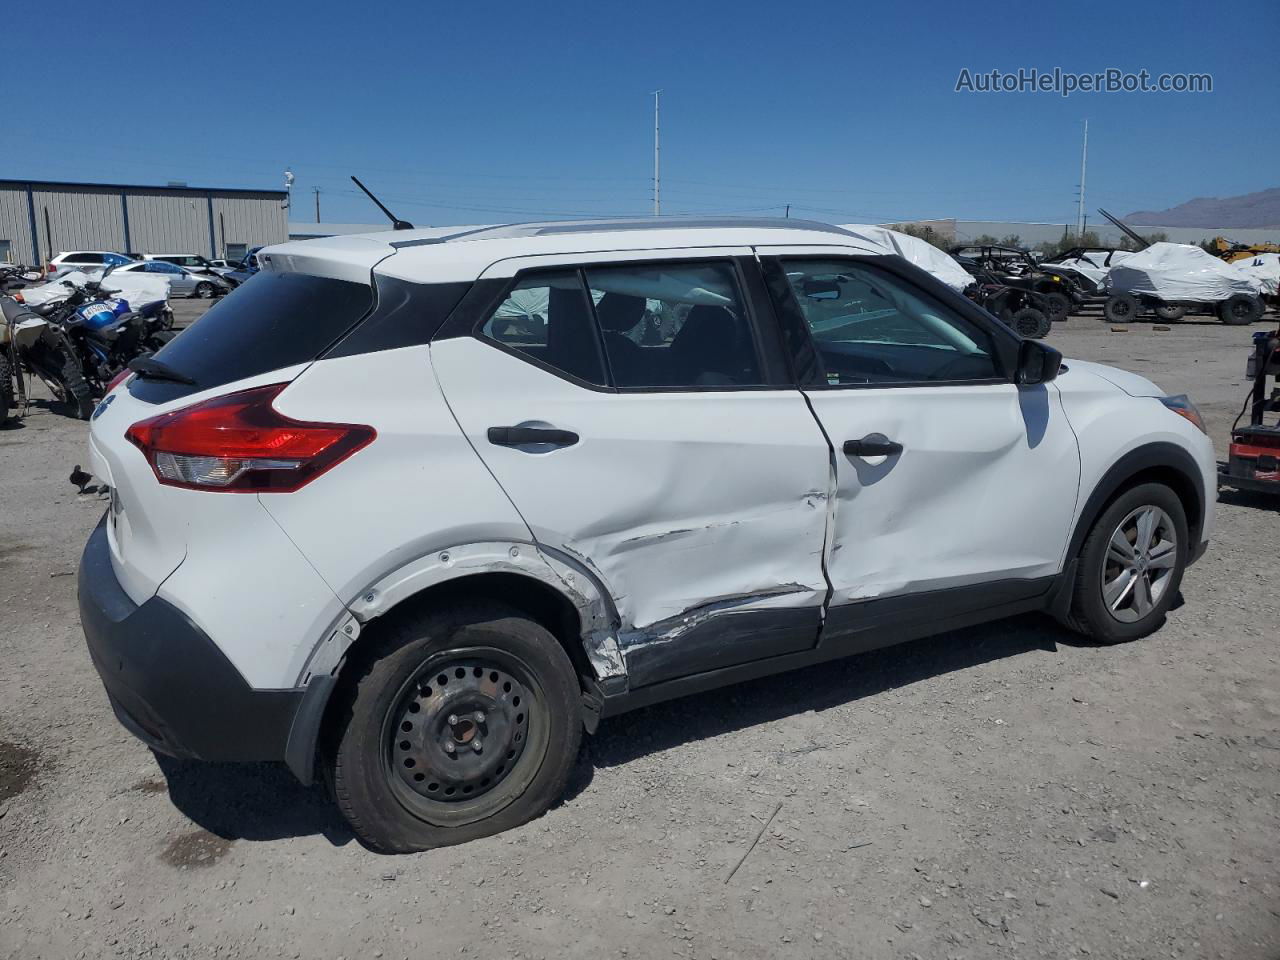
[63,184]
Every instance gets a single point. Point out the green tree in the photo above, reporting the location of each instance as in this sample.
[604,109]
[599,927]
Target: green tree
[923,232]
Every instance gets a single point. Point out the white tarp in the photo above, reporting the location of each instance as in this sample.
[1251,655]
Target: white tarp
[920,252]
[1092,264]
[1265,268]
[1180,272]
[138,289]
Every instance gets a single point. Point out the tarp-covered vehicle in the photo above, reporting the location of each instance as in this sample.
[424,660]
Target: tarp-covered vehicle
[920,252]
[1174,279]
[1089,266]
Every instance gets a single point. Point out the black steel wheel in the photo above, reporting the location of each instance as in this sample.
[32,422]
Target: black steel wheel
[458,731]
[1240,309]
[1121,307]
[456,724]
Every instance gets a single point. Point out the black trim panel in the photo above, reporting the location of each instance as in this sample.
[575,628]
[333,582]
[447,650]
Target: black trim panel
[406,315]
[168,683]
[723,640]
[888,625]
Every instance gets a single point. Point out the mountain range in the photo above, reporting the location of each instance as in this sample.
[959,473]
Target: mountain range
[1259,210]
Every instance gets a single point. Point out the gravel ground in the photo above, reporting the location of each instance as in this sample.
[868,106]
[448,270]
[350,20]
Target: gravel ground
[1004,791]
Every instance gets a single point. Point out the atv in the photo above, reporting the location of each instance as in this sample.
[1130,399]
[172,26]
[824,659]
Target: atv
[1015,267]
[1024,311]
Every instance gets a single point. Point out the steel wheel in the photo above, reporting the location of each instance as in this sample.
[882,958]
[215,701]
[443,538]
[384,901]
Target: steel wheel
[1140,560]
[457,733]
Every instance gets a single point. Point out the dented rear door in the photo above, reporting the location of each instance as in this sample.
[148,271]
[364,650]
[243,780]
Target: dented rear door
[702,508]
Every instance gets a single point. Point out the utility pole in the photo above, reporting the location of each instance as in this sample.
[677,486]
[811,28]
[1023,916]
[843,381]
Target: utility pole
[788,213]
[657,172]
[317,192]
[1084,160]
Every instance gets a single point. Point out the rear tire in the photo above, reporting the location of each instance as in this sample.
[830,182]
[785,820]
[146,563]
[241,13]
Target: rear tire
[1057,305]
[1240,309]
[1171,312]
[1031,323]
[1127,577]
[6,389]
[1121,308]
[419,763]
[77,395]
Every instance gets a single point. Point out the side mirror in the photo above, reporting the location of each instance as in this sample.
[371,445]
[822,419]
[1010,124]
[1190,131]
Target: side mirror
[1037,363]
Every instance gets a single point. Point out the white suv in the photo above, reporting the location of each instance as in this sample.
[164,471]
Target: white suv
[415,510]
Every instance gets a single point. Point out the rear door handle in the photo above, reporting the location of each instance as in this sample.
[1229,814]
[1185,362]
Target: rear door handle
[872,445]
[518,436]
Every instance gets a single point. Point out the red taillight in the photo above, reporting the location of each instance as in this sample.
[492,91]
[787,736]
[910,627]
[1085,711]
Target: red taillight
[118,379]
[241,444]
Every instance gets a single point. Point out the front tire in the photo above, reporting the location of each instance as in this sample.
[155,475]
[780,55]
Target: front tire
[1240,309]
[1121,307]
[204,290]
[1030,323]
[6,388]
[461,723]
[77,394]
[1057,305]
[1130,566]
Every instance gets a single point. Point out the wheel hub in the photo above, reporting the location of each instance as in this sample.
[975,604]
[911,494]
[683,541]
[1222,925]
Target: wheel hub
[1141,557]
[459,731]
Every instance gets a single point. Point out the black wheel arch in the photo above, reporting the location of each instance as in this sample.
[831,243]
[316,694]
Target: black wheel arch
[1159,462]
[316,717]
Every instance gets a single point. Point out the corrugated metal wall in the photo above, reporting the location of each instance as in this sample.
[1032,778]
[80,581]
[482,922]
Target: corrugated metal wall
[78,220]
[163,221]
[15,223]
[243,218]
[85,217]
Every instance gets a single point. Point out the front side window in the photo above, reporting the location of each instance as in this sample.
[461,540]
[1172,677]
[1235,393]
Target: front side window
[870,327]
[674,325]
[547,317]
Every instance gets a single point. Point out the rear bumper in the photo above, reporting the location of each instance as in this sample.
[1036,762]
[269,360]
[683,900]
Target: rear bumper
[168,683]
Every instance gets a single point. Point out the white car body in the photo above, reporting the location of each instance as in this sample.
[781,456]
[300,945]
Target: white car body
[699,533]
[84,261]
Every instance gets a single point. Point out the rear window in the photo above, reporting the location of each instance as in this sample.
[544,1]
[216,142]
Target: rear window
[271,321]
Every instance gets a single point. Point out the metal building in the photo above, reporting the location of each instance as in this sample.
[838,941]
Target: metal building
[40,218]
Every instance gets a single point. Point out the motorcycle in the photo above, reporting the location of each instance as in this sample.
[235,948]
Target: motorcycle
[81,337]
[30,343]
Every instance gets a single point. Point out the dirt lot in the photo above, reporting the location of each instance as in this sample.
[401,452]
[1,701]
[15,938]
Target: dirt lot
[1006,791]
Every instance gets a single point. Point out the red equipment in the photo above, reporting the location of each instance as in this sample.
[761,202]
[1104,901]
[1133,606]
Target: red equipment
[1254,458]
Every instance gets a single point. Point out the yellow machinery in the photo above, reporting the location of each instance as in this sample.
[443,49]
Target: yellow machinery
[1230,251]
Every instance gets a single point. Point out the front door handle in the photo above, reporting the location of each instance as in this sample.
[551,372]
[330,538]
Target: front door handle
[518,436]
[872,445]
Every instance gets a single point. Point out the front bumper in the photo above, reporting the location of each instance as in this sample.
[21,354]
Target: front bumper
[168,683]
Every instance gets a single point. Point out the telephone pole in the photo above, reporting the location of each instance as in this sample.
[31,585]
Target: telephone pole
[1084,160]
[657,172]
[317,192]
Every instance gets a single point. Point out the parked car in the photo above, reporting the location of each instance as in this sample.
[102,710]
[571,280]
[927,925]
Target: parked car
[191,261]
[85,260]
[246,268]
[183,283]
[476,492]
[221,264]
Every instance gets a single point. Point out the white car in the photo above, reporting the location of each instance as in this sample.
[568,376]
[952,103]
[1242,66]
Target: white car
[84,261]
[476,492]
[182,282]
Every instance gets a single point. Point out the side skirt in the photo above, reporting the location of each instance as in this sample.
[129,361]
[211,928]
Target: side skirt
[858,627]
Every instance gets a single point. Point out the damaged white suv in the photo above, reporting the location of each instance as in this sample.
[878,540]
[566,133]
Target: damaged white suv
[412,510]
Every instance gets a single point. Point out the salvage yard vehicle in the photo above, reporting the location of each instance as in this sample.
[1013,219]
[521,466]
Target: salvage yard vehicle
[479,491]
[1088,267]
[1174,279]
[1017,268]
[1023,311]
[182,282]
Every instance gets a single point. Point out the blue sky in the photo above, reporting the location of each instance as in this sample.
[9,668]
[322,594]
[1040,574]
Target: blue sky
[476,113]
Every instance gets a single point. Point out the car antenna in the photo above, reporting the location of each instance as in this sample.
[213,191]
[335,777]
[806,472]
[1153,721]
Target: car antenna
[396,222]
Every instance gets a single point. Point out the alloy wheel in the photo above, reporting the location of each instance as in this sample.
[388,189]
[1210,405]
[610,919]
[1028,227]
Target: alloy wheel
[1141,557]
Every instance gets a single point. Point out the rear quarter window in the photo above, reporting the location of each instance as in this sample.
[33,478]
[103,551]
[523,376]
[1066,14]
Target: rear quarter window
[272,321]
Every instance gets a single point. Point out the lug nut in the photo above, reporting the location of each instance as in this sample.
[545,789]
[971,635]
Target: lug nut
[449,747]
[479,716]
[477,744]
[453,719]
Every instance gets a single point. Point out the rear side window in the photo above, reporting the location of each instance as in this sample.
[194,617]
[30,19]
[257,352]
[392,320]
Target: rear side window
[85,258]
[547,317]
[271,321]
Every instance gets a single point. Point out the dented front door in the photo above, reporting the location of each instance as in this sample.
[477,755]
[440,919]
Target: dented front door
[702,511]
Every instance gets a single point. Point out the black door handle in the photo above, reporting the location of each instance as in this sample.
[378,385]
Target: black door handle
[517,436]
[872,445]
